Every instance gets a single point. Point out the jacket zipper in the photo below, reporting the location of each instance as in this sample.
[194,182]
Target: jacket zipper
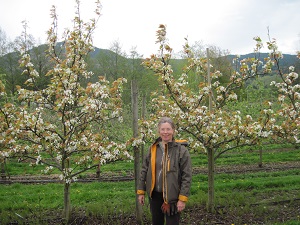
[166,165]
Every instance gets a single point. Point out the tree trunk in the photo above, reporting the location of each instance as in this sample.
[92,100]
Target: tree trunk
[67,203]
[134,92]
[98,170]
[3,174]
[211,188]
[260,158]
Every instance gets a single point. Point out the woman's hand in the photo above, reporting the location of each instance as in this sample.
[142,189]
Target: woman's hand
[180,206]
[141,199]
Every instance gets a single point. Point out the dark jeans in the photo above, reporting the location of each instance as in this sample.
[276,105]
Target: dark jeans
[158,217]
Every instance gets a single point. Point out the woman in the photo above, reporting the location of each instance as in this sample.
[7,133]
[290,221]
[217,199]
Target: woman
[166,176]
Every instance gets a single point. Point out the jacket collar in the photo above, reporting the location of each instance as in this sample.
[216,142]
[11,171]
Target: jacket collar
[174,142]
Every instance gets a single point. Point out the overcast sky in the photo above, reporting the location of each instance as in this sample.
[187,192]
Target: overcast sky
[227,24]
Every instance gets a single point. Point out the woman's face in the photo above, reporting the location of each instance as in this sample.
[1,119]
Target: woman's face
[166,132]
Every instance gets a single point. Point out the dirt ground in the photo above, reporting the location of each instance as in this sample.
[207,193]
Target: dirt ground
[199,216]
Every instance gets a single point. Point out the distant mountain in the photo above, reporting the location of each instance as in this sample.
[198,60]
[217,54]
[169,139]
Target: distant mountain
[100,50]
[286,61]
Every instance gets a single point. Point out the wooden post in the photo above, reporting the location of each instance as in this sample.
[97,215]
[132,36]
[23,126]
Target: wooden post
[210,152]
[134,100]
[143,117]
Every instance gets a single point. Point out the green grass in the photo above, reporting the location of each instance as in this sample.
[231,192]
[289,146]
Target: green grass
[106,198]
[236,191]
[246,157]
[96,198]
[249,157]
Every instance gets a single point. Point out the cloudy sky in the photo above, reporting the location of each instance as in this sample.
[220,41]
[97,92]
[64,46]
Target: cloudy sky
[227,24]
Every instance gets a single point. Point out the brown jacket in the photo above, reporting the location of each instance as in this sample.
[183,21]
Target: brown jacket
[177,172]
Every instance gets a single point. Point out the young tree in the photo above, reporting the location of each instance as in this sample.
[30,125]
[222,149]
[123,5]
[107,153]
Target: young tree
[202,115]
[66,128]
[7,119]
[287,128]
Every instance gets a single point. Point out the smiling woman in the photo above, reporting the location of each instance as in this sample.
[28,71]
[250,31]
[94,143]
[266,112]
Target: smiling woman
[166,176]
